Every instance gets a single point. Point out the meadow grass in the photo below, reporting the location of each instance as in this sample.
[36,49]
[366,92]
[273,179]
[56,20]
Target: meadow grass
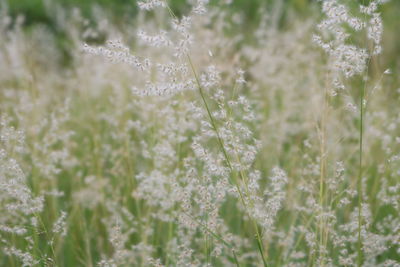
[179,141]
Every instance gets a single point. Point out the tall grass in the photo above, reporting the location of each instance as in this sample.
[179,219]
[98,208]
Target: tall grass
[182,142]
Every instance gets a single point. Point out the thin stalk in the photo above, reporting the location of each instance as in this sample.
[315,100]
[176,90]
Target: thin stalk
[244,178]
[221,144]
[47,237]
[322,177]
[235,257]
[216,237]
[212,121]
[218,136]
[298,242]
[359,182]
[360,170]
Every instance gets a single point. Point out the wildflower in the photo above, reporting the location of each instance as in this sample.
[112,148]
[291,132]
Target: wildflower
[60,226]
[151,4]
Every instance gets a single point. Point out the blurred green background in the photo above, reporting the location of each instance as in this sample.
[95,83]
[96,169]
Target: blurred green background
[36,11]
[120,11]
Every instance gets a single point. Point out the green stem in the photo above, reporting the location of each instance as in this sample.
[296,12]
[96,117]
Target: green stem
[359,182]
[215,236]
[221,144]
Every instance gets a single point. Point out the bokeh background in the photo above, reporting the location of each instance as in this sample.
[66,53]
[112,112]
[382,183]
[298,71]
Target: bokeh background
[120,12]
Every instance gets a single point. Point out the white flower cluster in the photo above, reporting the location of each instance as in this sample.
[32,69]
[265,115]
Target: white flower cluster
[266,207]
[164,89]
[151,4]
[60,225]
[159,40]
[19,206]
[116,52]
[173,77]
[16,197]
[200,7]
[346,58]
[375,30]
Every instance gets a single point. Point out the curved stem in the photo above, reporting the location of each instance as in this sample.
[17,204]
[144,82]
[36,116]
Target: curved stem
[359,182]
[221,143]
